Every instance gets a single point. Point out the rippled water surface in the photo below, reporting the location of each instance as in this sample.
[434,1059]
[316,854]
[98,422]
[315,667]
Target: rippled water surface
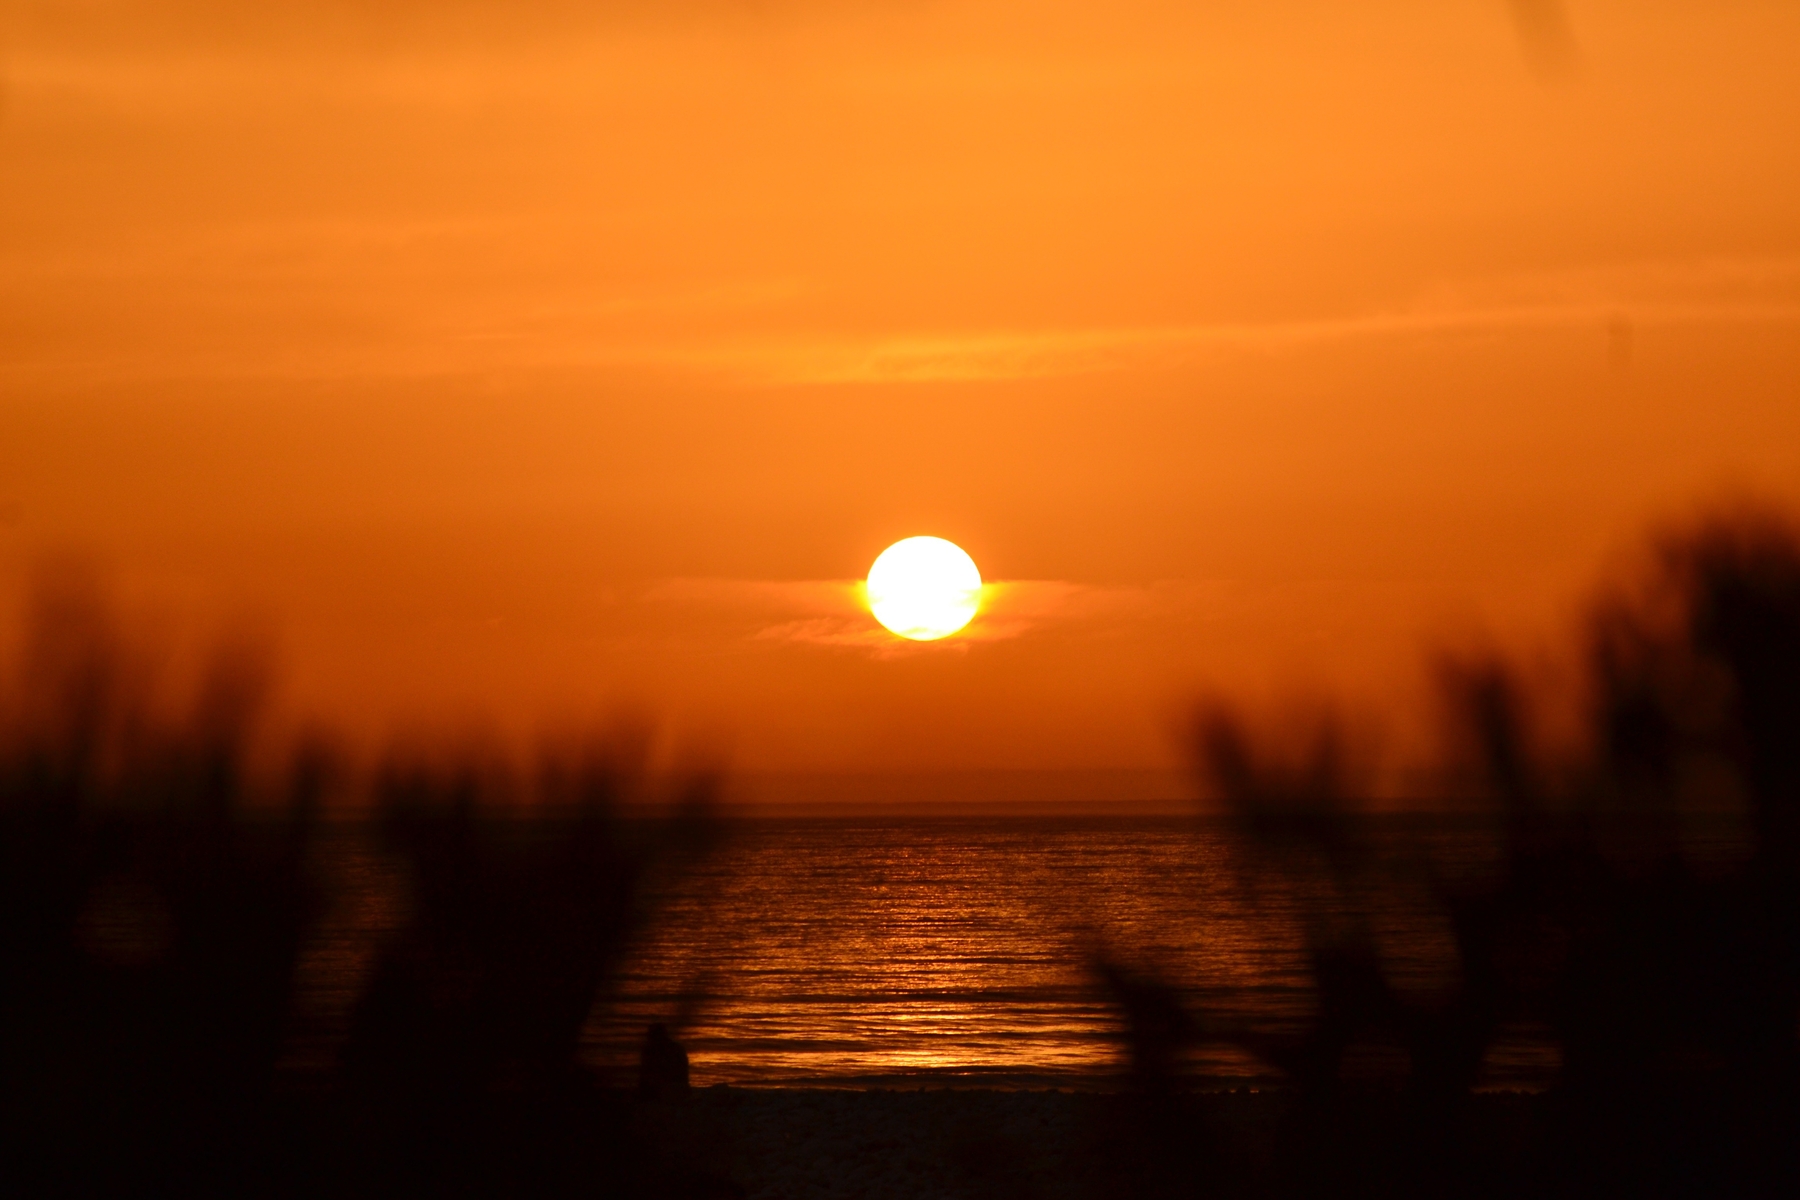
[863,952]
[870,952]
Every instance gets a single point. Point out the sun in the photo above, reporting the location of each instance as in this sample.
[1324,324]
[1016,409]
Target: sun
[924,588]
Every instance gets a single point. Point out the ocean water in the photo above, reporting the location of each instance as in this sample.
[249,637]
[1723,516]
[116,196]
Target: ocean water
[961,951]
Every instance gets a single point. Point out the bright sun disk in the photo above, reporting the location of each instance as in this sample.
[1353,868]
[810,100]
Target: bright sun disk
[924,588]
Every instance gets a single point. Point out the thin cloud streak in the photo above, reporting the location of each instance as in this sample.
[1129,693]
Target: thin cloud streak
[1037,355]
[834,612]
[557,342]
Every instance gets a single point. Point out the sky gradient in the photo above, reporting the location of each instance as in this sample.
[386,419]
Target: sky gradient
[527,360]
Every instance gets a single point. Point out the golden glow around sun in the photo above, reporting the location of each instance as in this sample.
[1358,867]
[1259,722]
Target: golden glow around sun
[924,588]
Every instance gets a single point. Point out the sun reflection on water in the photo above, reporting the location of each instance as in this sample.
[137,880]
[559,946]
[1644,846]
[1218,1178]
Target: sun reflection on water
[880,952]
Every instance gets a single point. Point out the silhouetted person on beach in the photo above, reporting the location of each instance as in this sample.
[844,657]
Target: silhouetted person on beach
[662,1067]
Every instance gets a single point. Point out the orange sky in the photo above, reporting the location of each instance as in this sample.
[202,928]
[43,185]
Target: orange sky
[528,358]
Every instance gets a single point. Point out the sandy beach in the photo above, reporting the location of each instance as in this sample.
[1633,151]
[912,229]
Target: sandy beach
[801,1144]
[828,1143]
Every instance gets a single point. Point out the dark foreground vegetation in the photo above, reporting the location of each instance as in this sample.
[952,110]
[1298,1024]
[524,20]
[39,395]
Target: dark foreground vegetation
[156,895]
[1669,979]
